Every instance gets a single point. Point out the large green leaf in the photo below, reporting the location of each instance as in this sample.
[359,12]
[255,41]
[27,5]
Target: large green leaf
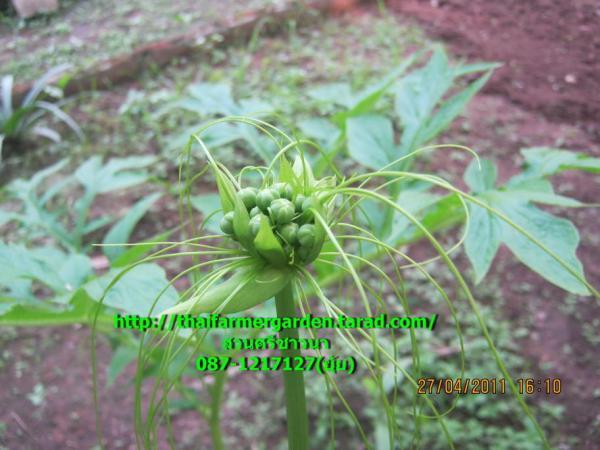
[211,98]
[482,240]
[487,230]
[539,190]
[558,234]
[451,108]
[419,93]
[81,310]
[544,161]
[415,200]
[333,93]
[120,231]
[481,179]
[117,173]
[135,292]
[371,140]
[322,130]
[62,273]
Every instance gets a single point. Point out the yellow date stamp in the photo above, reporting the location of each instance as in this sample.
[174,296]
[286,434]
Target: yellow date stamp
[477,386]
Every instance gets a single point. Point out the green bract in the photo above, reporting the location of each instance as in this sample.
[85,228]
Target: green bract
[248,287]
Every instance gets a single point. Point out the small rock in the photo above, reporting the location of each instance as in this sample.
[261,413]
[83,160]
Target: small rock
[570,78]
[28,8]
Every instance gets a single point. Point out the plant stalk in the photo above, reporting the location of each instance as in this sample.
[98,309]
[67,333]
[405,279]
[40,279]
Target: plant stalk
[293,381]
[215,410]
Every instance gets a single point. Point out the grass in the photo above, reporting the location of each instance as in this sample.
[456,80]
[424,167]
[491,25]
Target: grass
[90,31]
[277,69]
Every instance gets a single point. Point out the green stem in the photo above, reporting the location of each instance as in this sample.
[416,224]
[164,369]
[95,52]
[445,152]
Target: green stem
[215,410]
[293,381]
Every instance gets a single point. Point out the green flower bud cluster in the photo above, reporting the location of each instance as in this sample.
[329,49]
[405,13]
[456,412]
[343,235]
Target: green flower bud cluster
[288,215]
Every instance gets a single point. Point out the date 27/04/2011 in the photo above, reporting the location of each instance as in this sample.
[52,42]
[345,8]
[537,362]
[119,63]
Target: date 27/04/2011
[549,386]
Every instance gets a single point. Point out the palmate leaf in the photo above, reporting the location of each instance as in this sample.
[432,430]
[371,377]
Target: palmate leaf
[333,93]
[545,161]
[59,271]
[419,93]
[321,130]
[371,140]
[210,99]
[33,214]
[117,173]
[362,102]
[487,231]
[80,310]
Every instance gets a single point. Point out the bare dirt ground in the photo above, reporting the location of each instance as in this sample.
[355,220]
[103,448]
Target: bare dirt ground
[550,49]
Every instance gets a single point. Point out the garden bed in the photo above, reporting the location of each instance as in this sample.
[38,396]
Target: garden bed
[558,340]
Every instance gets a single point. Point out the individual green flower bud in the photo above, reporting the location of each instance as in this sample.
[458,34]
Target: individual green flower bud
[255,224]
[289,233]
[254,211]
[298,202]
[307,214]
[248,196]
[227,223]
[284,190]
[306,235]
[282,211]
[265,197]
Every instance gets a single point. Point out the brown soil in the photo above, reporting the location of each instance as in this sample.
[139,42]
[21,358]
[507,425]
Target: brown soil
[550,49]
